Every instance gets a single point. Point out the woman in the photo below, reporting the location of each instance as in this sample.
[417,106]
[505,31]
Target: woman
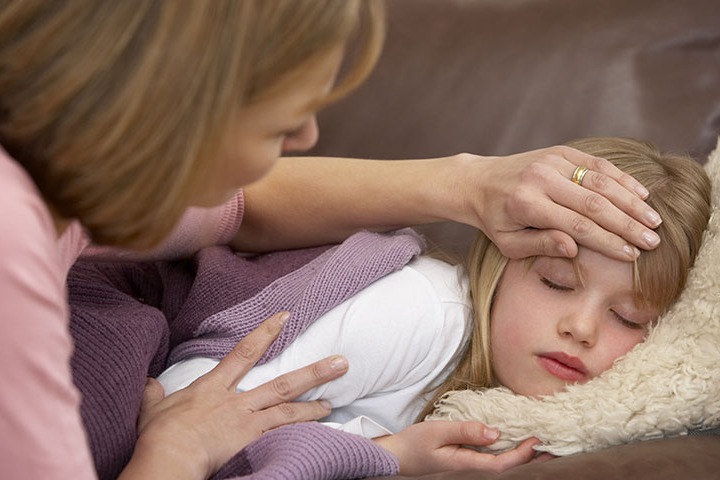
[117,117]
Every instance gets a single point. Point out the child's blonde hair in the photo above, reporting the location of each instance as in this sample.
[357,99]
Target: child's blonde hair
[679,192]
[118,109]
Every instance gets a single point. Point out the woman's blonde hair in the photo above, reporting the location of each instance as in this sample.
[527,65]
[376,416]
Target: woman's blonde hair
[118,109]
[679,192]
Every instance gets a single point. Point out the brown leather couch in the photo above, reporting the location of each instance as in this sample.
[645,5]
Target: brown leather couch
[496,77]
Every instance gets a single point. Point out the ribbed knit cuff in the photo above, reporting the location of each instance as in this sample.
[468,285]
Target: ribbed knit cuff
[310,451]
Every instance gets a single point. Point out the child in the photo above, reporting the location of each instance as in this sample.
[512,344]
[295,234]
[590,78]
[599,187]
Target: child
[507,347]
[533,325]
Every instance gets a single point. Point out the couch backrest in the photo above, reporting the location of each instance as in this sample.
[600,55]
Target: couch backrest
[503,76]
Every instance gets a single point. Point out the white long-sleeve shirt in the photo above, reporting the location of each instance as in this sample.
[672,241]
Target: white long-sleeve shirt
[401,336]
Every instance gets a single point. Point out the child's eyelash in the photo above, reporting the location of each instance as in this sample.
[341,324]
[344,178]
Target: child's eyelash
[554,285]
[626,322]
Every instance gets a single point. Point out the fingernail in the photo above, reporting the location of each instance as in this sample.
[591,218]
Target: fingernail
[642,191]
[651,238]
[326,405]
[653,218]
[631,251]
[338,363]
[491,433]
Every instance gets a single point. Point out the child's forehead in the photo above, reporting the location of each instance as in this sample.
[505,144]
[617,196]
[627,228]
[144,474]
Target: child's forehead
[585,259]
[558,263]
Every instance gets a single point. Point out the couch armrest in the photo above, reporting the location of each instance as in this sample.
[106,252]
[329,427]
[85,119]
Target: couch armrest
[696,457]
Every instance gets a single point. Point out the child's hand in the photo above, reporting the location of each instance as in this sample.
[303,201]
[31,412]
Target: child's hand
[437,446]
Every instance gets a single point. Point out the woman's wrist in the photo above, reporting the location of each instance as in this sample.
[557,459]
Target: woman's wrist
[158,459]
[457,188]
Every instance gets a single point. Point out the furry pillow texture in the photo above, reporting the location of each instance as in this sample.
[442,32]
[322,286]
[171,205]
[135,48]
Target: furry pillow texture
[664,387]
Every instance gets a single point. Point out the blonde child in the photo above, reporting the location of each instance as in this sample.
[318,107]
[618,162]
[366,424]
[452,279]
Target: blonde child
[533,325]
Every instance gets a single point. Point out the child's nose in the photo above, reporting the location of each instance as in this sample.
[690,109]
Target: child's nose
[580,326]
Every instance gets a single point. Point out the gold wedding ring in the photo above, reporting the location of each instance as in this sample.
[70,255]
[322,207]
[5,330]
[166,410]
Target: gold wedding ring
[579,174]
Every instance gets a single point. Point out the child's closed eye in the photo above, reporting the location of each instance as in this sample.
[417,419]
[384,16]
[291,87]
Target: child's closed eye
[626,322]
[555,286]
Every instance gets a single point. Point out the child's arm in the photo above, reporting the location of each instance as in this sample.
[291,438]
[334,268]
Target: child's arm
[436,446]
[398,335]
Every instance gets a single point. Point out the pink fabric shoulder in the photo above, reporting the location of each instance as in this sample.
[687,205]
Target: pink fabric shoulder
[41,433]
[198,228]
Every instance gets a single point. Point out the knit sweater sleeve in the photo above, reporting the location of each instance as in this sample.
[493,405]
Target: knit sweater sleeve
[309,450]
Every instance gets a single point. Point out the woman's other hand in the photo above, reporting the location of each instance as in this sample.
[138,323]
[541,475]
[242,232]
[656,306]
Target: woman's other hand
[438,446]
[528,205]
[194,431]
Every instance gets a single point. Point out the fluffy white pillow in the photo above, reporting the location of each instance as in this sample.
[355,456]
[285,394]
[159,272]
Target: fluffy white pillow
[664,387]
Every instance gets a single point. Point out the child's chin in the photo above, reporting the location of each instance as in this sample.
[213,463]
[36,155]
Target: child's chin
[539,391]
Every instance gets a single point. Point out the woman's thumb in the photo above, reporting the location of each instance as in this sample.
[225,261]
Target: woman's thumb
[152,394]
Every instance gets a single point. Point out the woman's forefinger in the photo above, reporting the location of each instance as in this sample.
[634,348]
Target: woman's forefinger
[289,386]
[247,352]
[610,198]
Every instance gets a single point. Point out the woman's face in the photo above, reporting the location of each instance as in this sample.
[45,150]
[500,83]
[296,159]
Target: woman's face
[280,123]
[549,328]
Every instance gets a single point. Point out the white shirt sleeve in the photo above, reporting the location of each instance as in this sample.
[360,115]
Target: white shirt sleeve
[399,335]
[362,425]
